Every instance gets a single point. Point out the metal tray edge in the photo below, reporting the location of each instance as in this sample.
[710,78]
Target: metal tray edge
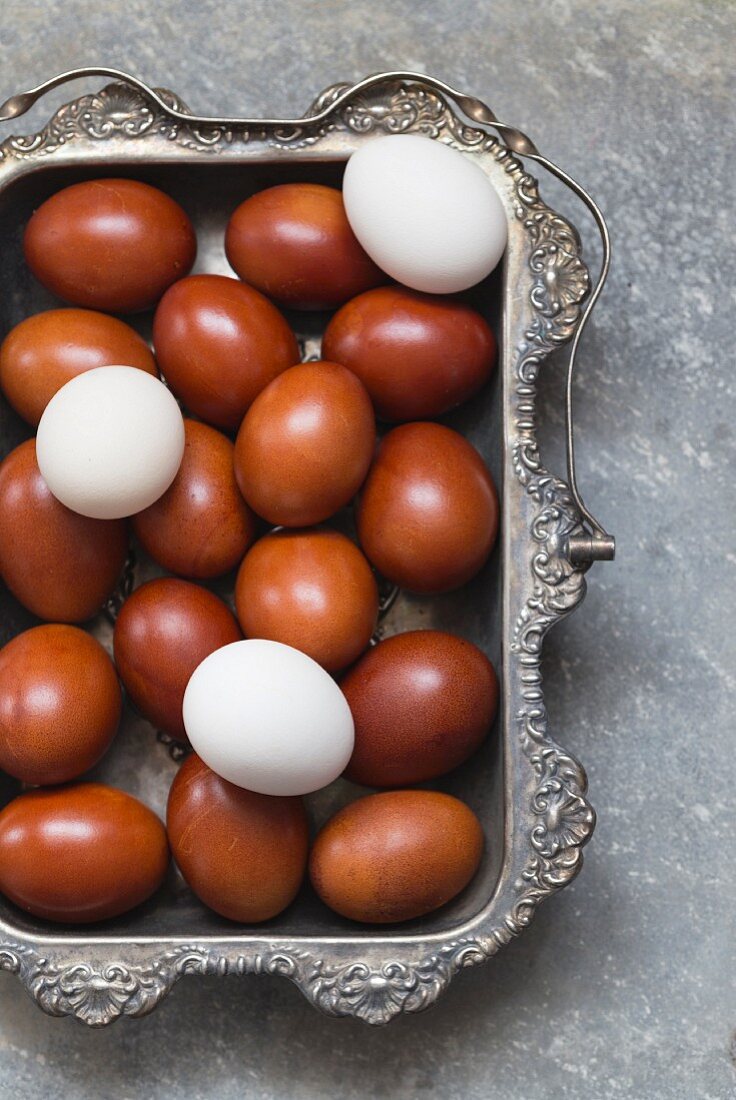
[552,817]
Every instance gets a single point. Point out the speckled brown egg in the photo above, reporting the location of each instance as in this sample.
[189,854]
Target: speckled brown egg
[294,243]
[164,630]
[305,445]
[428,514]
[80,853]
[243,854]
[418,355]
[60,565]
[59,704]
[219,343]
[110,244]
[46,351]
[396,856]
[201,527]
[312,590]
[422,702]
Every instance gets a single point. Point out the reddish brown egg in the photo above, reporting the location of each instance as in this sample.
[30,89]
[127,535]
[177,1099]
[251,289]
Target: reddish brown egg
[422,702]
[243,854]
[418,355]
[59,704]
[60,565]
[201,527]
[110,244]
[294,243]
[396,856]
[428,514]
[81,853]
[164,630]
[45,351]
[312,590]
[305,445]
[219,343]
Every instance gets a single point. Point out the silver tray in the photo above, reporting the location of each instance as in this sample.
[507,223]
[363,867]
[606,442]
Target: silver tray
[529,793]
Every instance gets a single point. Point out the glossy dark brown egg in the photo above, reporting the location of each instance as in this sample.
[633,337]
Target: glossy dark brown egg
[164,630]
[80,853]
[59,704]
[219,343]
[109,244]
[294,243]
[312,590]
[418,355]
[428,514]
[396,856]
[201,527]
[305,445]
[45,351]
[243,854]
[422,702]
[60,565]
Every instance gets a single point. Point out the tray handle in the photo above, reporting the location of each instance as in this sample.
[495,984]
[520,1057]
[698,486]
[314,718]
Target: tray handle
[594,543]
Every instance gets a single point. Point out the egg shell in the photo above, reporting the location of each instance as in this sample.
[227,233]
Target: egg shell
[396,855]
[201,527]
[110,442]
[268,718]
[219,343]
[305,445]
[110,244]
[422,703]
[294,243]
[164,630]
[60,704]
[424,212]
[60,565]
[45,351]
[80,853]
[428,512]
[243,854]
[418,355]
[310,589]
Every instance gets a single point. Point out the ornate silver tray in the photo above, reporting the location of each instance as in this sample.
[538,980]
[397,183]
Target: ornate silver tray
[529,792]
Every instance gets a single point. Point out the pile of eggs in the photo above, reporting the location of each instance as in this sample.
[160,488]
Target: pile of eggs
[233,464]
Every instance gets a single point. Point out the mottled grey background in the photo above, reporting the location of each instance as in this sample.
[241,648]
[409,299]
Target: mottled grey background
[623,987]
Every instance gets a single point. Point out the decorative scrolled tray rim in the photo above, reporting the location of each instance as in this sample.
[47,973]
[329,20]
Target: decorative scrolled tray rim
[376,977]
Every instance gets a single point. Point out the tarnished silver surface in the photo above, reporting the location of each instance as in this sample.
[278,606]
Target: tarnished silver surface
[528,791]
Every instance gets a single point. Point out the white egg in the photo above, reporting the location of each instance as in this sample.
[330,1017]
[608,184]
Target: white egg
[425,213]
[110,442]
[267,717]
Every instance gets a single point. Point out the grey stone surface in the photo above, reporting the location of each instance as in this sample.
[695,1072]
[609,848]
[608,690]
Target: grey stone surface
[623,987]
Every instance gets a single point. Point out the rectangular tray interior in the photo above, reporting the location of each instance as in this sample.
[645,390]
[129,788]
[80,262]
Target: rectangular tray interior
[138,763]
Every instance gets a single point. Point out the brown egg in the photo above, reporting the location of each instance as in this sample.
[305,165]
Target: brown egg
[312,590]
[418,355]
[219,343]
[396,855]
[59,704]
[428,514]
[164,630]
[305,445]
[243,854]
[45,351]
[201,527]
[422,702]
[81,853]
[110,244]
[294,243]
[60,565]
